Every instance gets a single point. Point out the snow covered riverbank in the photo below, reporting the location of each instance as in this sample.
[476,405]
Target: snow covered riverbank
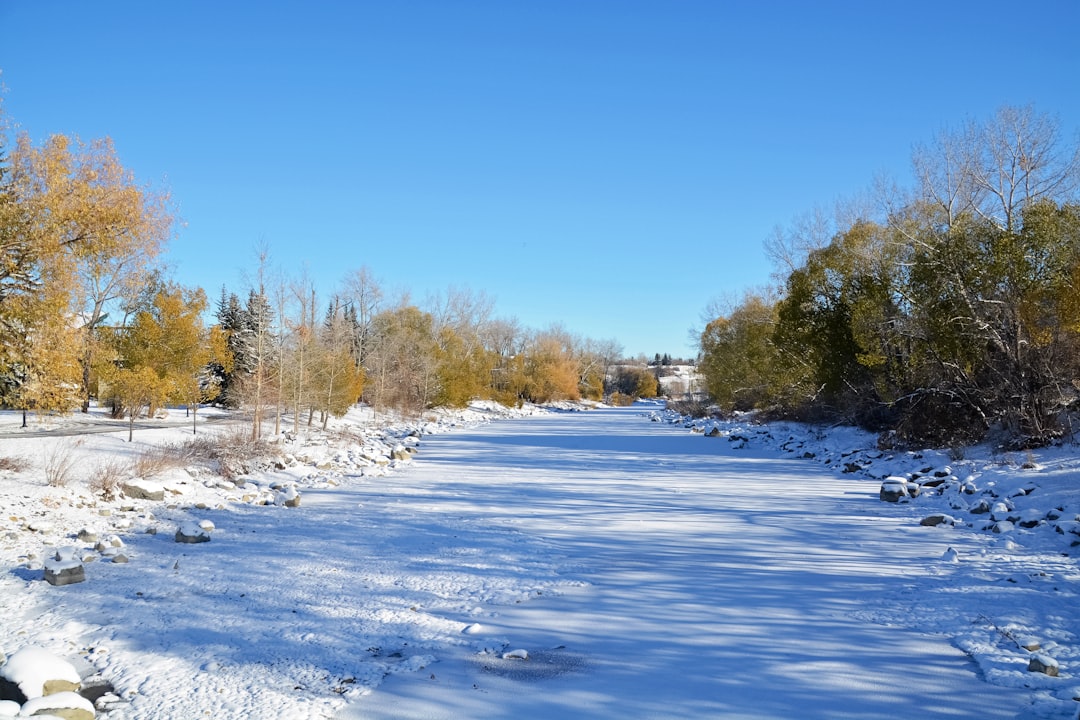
[586,564]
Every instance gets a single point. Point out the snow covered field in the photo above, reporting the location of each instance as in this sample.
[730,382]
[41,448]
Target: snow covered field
[600,564]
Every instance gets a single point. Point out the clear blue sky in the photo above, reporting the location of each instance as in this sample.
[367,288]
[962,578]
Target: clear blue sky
[612,165]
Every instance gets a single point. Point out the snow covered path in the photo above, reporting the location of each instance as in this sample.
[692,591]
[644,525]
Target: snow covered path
[720,582]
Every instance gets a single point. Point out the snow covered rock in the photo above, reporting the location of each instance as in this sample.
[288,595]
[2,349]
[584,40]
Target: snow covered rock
[64,567]
[937,519]
[8,708]
[1043,663]
[139,489]
[66,705]
[192,533]
[893,489]
[33,672]
[516,655]
[287,496]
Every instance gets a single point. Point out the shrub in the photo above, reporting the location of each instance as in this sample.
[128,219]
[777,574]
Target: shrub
[14,463]
[59,463]
[106,478]
[234,452]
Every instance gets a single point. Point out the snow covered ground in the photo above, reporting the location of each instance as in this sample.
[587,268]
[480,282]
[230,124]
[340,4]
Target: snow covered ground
[601,564]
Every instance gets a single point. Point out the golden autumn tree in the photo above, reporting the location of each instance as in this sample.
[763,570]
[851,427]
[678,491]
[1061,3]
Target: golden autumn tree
[38,330]
[551,370]
[80,200]
[161,355]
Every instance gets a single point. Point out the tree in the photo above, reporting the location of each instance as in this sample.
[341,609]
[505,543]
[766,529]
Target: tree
[402,364]
[993,170]
[740,362]
[166,347]
[81,200]
[336,378]
[38,331]
[551,372]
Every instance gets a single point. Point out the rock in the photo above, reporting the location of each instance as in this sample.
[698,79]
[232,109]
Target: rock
[1002,527]
[64,568]
[139,489]
[715,432]
[87,536]
[192,533]
[66,705]
[1042,663]
[112,541]
[34,672]
[950,556]
[980,508]
[893,489]
[516,655]
[288,496]
[1029,644]
[937,519]
[400,453]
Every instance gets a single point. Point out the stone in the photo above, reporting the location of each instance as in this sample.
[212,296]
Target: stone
[192,533]
[1044,664]
[66,705]
[139,489]
[32,672]
[64,567]
[936,519]
[893,489]
[87,536]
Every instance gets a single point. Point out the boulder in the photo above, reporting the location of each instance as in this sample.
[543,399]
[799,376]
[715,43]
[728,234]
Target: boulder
[139,489]
[937,519]
[893,489]
[64,567]
[32,672]
[192,533]
[1042,663]
[66,705]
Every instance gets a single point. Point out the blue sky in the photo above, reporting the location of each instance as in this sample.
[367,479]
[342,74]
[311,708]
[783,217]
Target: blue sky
[613,166]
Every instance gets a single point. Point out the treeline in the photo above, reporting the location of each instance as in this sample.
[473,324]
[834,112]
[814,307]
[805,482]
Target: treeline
[87,312]
[936,314]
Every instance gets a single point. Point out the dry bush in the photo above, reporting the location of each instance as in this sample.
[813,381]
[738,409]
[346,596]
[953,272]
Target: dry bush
[14,463]
[156,460]
[106,478]
[692,408]
[234,452]
[619,399]
[59,463]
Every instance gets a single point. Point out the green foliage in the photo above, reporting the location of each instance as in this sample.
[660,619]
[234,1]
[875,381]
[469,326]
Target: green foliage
[957,312]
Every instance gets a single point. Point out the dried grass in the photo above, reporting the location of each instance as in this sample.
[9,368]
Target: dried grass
[59,463]
[156,460]
[234,451]
[106,478]
[14,463]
